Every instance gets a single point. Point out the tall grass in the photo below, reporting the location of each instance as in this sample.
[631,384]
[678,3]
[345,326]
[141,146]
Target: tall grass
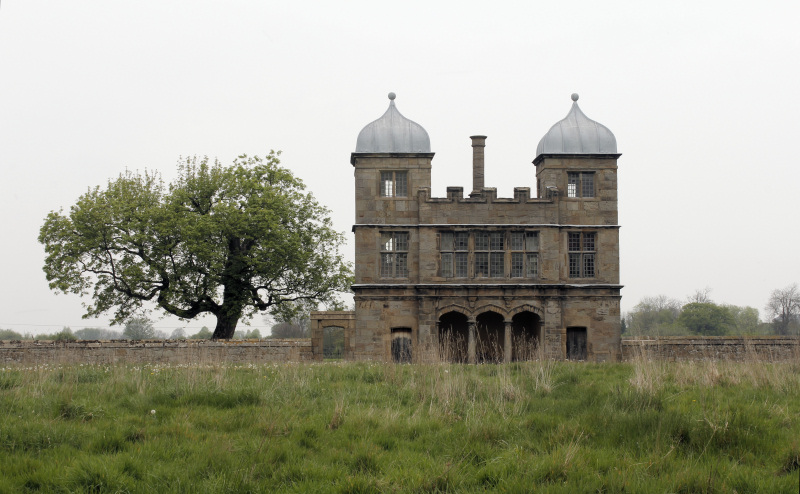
[540,425]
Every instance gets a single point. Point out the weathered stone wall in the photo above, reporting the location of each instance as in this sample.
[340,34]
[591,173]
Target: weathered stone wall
[154,351]
[713,348]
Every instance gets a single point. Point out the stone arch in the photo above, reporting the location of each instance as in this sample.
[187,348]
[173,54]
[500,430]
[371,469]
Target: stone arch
[490,336]
[453,336]
[526,335]
[455,308]
[527,308]
[492,307]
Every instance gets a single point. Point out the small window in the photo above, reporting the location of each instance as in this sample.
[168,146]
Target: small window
[394,184]
[394,254]
[401,345]
[581,246]
[580,184]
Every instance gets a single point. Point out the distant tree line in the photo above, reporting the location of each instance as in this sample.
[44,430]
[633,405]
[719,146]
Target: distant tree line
[699,315]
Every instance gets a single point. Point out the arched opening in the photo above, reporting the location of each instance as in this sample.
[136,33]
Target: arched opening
[490,330]
[526,332]
[333,342]
[453,337]
[401,345]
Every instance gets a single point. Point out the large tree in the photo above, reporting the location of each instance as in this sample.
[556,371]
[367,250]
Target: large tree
[783,307]
[230,241]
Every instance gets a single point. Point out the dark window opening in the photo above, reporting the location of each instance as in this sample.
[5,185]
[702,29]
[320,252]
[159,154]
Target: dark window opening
[394,184]
[401,345]
[582,251]
[576,343]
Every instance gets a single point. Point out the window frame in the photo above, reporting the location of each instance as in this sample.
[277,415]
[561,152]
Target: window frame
[392,191]
[581,255]
[527,253]
[452,251]
[584,182]
[396,270]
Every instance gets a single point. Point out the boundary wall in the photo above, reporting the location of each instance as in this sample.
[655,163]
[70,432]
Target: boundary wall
[154,351]
[770,348]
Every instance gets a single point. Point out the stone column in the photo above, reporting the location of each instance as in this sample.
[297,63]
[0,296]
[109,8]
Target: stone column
[471,346]
[507,342]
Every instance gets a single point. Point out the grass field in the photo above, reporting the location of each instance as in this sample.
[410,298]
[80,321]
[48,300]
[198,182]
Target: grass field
[538,426]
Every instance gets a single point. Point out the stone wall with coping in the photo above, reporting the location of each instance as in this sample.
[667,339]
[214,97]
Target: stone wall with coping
[673,348]
[154,351]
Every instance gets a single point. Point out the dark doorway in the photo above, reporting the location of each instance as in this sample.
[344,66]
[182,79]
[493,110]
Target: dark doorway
[489,344]
[401,345]
[525,336]
[333,342]
[453,337]
[576,343]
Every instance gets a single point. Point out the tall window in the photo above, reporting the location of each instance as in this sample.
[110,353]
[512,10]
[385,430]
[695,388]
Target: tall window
[581,246]
[454,247]
[580,184]
[394,254]
[394,184]
[489,254]
[524,254]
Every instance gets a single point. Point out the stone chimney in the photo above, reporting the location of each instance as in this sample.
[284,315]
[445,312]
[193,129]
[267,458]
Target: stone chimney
[478,143]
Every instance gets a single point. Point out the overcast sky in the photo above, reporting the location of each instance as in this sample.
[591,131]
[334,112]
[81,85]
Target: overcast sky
[702,97]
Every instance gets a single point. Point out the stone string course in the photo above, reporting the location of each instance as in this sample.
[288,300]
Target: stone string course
[154,351]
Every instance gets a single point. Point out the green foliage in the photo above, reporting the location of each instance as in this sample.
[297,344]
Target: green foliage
[7,334]
[654,316]
[97,334]
[706,319]
[783,309]
[203,334]
[230,241]
[745,319]
[365,427]
[139,328]
[64,335]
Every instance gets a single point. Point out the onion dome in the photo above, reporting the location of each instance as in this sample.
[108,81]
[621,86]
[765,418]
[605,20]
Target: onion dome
[393,133]
[577,134]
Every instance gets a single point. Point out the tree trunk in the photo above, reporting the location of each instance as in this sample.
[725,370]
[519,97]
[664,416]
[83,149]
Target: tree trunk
[226,326]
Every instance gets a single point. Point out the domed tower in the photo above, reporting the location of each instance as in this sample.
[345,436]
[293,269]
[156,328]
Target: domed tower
[576,169]
[576,161]
[392,163]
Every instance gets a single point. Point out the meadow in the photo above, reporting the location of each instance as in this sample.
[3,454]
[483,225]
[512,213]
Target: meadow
[541,426]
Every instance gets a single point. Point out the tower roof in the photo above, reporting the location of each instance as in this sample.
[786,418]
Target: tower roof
[393,133]
[577,134]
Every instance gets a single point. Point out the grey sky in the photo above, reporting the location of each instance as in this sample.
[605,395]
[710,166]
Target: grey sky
[702,97]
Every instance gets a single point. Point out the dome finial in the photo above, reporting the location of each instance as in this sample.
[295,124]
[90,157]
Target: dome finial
[392,96]
[575,96]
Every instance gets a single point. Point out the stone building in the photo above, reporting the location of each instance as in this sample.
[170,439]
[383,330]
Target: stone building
[479,278]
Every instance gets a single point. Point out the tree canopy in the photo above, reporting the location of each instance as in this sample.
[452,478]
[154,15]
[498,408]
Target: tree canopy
[230,241]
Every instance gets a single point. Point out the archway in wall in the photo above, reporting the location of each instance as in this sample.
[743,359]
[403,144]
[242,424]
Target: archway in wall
[333,342]
[526,334]
[453,337]
[490,330]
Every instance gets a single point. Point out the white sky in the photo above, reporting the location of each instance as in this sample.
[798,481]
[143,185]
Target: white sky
[702,97]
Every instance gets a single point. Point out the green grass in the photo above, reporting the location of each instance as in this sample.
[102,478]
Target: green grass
[337,427]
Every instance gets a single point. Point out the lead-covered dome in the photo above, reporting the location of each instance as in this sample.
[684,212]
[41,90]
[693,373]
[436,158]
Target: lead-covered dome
[577,134]
[393,133]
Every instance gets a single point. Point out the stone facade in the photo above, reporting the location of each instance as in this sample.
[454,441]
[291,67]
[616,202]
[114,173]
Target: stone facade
[480,278]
